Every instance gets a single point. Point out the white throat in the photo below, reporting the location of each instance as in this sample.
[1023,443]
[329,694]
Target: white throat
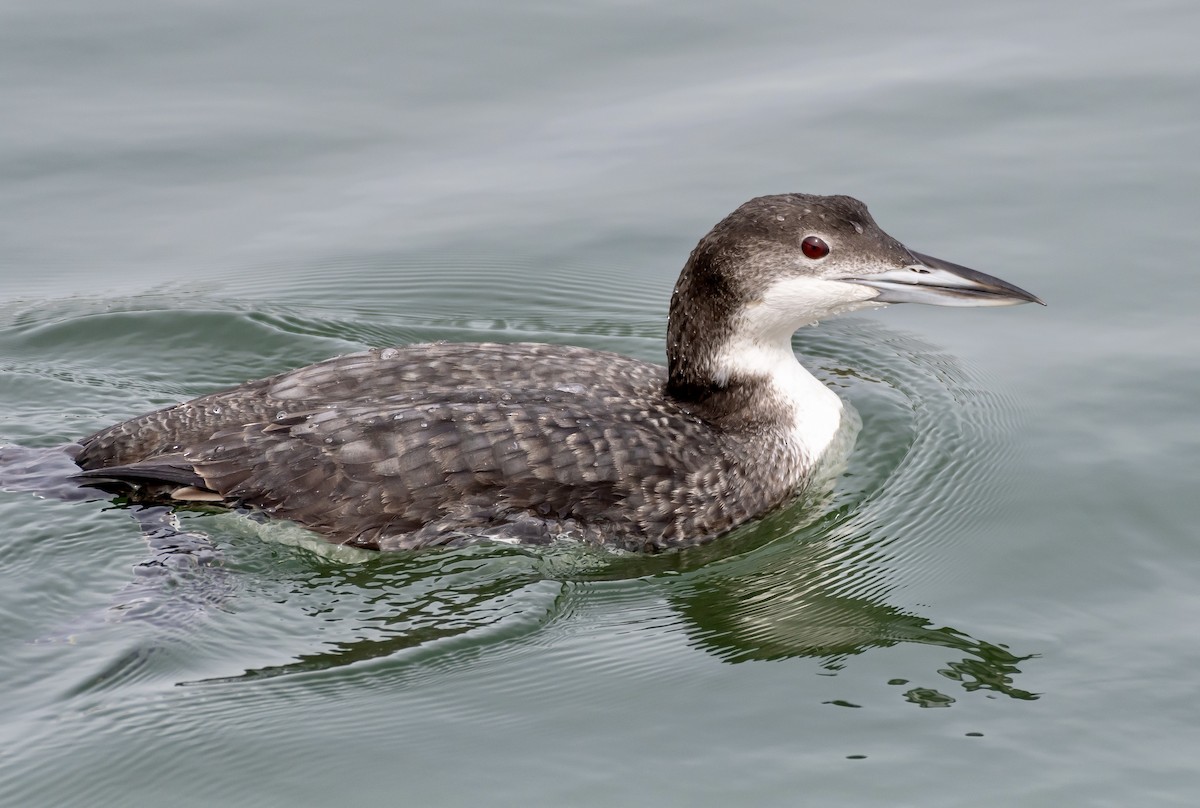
[761,346]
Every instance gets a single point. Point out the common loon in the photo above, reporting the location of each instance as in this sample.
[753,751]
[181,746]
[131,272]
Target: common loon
[439,444]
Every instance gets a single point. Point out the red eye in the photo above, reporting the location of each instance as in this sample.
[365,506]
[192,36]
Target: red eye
[814,248]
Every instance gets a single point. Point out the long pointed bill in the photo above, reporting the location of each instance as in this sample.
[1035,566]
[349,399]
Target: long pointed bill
[941,283]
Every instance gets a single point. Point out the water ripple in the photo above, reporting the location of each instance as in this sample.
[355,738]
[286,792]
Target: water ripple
[815,580]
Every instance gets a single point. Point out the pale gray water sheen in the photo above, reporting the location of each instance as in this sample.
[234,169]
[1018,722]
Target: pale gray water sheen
[998,604]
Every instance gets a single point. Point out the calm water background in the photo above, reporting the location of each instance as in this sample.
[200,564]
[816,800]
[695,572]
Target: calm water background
[999,603]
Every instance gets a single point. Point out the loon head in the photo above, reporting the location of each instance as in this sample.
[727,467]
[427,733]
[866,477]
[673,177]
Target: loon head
[781,262]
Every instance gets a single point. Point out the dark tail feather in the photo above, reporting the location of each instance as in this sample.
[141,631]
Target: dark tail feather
[166,469]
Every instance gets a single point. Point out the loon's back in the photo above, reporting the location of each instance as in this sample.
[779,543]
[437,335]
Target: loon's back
[378,375]
[436,444]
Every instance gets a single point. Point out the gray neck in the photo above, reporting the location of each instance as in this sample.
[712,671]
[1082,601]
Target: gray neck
[706,313]
[701,322]
[729,342]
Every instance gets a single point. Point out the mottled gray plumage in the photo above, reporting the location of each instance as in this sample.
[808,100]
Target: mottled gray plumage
[438,444]
[420,445]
